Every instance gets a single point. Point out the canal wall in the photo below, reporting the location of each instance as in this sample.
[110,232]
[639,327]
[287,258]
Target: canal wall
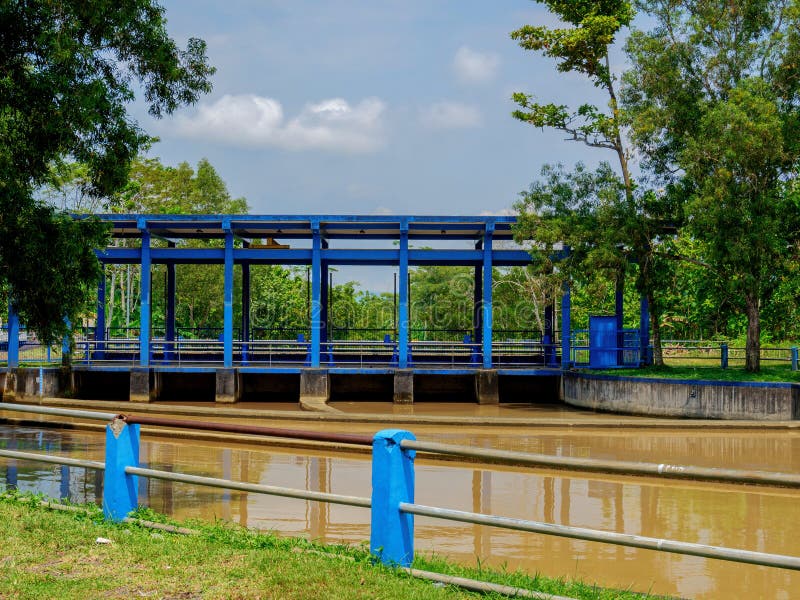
[21,383]
[699,399]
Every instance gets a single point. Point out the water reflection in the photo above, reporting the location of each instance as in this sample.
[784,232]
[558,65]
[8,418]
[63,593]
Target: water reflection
[739,517]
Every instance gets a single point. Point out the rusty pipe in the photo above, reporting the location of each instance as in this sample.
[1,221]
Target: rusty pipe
[320,436]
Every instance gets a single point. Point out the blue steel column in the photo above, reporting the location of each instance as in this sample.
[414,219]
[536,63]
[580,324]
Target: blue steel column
[169,317]
[487,296]
[619,310]
[547,337]
[566,327]
[316,293]
[144,307]
[644,330]
[227,307]
[402,312]
[13,337]
[477,295]
[100,322]
[324,299]
[246,302]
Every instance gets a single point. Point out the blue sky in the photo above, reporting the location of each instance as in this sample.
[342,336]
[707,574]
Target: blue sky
[368,107]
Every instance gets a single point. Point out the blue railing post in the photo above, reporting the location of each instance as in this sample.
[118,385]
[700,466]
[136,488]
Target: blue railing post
[392,531]
[723,355]
[119,488]
[794,358]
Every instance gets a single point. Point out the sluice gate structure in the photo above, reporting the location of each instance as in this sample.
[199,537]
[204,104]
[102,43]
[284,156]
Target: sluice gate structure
[240,362]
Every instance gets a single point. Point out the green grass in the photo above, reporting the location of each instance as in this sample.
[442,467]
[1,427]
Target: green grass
[53,554]
[772,373]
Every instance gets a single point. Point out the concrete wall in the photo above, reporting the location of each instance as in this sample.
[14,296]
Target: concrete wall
[21,383]
[683,398]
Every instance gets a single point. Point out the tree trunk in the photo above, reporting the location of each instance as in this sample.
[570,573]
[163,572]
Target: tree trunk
[753,346]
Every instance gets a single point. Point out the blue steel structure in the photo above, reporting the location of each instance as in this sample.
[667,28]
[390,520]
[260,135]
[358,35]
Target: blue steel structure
[318,242]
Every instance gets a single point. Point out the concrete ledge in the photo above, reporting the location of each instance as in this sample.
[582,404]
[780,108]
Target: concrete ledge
[487,386]
[228,390]
[683,398]
[403,386]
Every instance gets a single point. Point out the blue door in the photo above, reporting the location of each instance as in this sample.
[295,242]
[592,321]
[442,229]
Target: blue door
[602,342]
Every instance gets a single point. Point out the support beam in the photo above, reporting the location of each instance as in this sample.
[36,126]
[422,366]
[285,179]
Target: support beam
[245,302]
[169,317]
[548,338]
[619,313]
[13,337]
[227,307]
[325,298]
[477,297]
[402,317]
[644,331]
[566,328]
[144,305]
[487,296]
[316,293]
[100,321]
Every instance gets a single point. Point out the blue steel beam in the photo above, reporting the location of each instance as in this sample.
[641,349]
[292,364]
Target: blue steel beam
[487,297]
[302,256]
[13,337]
[100,322]
[402,308]
[316,295]
[144,305]
[227,306]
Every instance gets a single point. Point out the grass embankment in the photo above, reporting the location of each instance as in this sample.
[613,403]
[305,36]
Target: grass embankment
[53,554]
[770,373]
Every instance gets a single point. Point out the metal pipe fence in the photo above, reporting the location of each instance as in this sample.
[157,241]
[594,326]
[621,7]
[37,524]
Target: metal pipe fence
[392,501]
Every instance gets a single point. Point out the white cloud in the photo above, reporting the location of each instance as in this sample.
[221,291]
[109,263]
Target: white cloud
[475,67]
[503,212]
[257,121]
[450,115]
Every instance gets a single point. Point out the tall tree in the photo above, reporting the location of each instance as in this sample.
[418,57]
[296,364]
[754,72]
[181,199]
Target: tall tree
[714,101]
[68,70]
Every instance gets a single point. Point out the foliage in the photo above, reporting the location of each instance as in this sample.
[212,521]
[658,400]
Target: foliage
[67,72]
[712,98]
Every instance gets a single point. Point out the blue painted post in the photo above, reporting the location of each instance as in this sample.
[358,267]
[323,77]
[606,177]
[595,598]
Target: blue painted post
[794,358]
[169,313]
[119,488]
[487,296]
[392,531]
[477,298]
[547,335]
[245,310]
[316,293]
[723,351]
[402,308]
[566,327]
[100,322]
[619,313]
[227,307]
[65,342]
[13,337]
[326,283]
[644,331]
[144,307]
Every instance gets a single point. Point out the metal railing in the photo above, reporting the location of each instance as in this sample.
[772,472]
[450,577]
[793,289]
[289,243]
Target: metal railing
[392,501]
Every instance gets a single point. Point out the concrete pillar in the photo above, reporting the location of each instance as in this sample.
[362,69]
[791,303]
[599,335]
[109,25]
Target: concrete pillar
[404,386]
[140,385]
[315,384]
[228,390]
[487,386]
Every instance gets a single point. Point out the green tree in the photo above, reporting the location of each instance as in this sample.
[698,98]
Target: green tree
[68,70]
[713,98]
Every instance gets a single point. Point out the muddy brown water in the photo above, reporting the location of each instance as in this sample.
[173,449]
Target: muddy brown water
[749,517]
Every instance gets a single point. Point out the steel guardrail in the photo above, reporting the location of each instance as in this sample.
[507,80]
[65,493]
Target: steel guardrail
[59,412]
[241,486]
[57,460]
[620,539]
[611,466]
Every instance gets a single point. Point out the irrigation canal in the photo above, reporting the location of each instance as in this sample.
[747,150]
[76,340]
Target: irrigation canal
[738,516]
